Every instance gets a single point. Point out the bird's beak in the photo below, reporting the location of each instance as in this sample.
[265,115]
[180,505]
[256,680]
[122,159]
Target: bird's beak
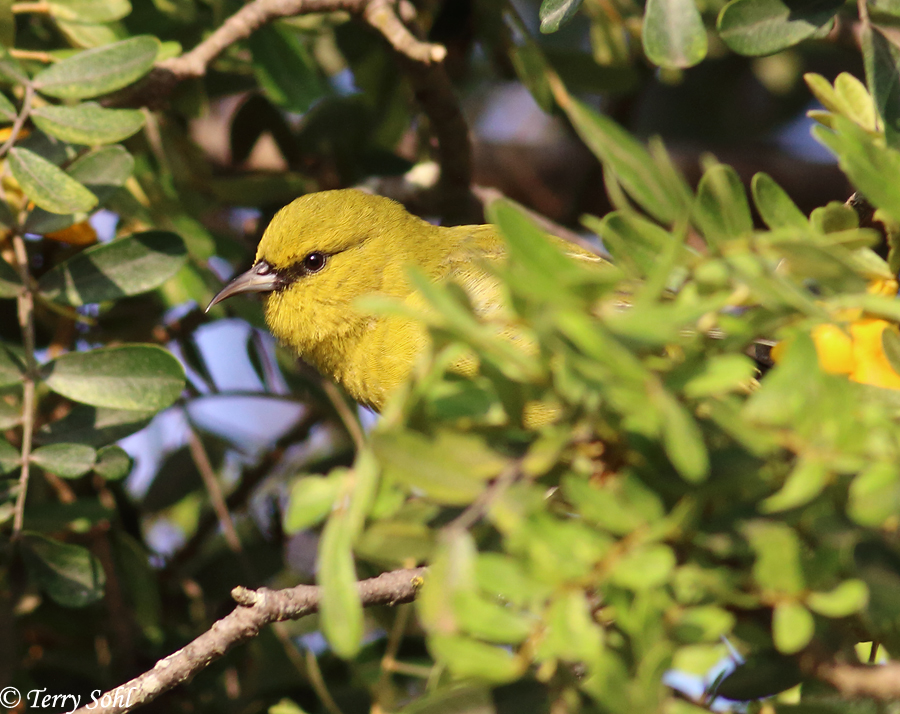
[261,278]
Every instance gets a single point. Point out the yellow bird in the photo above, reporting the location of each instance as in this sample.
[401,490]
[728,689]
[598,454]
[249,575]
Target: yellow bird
[325,250]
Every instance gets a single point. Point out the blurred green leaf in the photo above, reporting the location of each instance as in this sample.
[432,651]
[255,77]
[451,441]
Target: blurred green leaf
[87,123]
[682,438]
[10,458]
[875,494]
[881,57]
[792,627]
[806,481]
[846,599]
[68,573]
[10,69]
[92,426]
[341,609]
[311,500]
[761,675]
[127,377]
[451,468]
[721,211]
[774,205]
[777,547]
[11,368]
[48,186]
[466,657]
[284,68]
[128,266]
[762,27]
[864,161]
[555,13]
[644,567]
[7,110]
[65,460]
[666,198]
[100,70]
[673,33]
[113,463]
[89,10]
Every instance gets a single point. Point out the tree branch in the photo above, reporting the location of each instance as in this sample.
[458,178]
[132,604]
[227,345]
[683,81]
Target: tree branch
[421,61]
[859,680]
[255,610]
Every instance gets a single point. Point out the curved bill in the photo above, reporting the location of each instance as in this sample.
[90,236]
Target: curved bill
[261,278]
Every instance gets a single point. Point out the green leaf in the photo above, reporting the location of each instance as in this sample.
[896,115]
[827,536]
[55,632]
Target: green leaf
[881,58]
[65,460]
[865,161]
[466,657]
[94,427]
[762,27]
[11,71]
[720,374]
[664,196]
[47,185]
[673,33]
[7,27]
[311,500]
[7,110]
[113,463]
[875,495]
[682,439]
[127,377]
[100,70]
[10,458]
[452,468]
[777,547]
[103,170]
[805,482]
[706,623]
[88,123]
[69,574]
[570,632]
[721,211]
[632,240]
[774,205]
[761,675]
[88,11]
[792,627]
[284,68]
[341,609]
[11,368]
[556,13]
[644,568]
[846,599]
[128,266]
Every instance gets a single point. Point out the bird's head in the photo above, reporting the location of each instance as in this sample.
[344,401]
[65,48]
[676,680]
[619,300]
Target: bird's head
[323,251]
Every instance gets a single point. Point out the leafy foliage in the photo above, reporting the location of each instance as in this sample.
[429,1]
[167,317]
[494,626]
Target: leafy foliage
[614,502]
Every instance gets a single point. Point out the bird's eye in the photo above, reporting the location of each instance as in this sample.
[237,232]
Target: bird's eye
[314,262]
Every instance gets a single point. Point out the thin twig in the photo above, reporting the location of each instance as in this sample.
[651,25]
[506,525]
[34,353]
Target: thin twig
[255,610]
[253,15]
[314,672]
[21,117]
[40,7]
[207,473]
[349,420]
[421,61]
[302,665]
[480,506]
[35,55]
[25,301]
